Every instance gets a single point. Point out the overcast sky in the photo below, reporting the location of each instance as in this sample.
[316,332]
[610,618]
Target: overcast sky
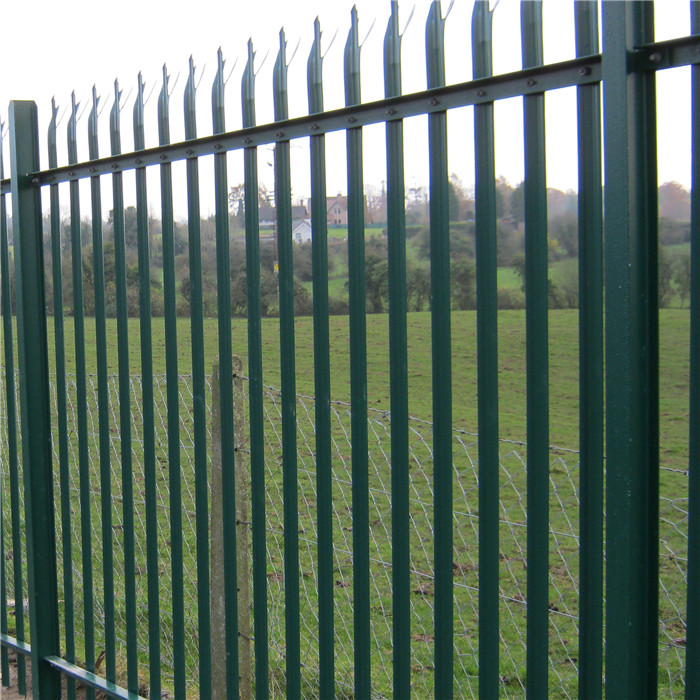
[49,48]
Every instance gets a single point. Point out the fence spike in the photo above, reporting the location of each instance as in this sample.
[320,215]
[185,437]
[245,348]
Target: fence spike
[352,61]
[139,138]
[72,131]
[315,72]
[248,88]
[92,125]
[114,120]
[217,95]
[164,110]
[392,54]
[280,80]
[190,104]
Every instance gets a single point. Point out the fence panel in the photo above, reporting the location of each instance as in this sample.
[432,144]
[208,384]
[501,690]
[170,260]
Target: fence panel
[389,555]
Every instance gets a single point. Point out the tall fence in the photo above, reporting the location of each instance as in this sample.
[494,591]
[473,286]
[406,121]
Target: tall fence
[389,556]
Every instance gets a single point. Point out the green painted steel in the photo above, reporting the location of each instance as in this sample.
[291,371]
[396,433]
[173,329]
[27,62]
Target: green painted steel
[631,356]
[590,274]
[283,202]
[322,377]
[631,382]
[358,375]
[550,77]
[692,649]
[255,391]
[536,292]
[124,403]
[440,306]
[172,397]
[147,410]
[396,225]
[198,395]
[34,398]
[223,284]
[81,399]
[12,456]
[487,358]
[62,407]
[91,681]
[4,656]
[102,400]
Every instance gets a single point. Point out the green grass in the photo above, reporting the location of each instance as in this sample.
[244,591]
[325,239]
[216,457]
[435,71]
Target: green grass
[563,359]
[563,412]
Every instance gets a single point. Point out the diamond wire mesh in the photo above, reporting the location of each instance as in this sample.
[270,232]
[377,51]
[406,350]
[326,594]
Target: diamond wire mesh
[563,550]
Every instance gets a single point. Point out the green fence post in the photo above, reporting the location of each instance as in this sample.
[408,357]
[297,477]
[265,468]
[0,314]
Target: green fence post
[34,397]
[590,259]
[692,650]
[487,359]
[631,356]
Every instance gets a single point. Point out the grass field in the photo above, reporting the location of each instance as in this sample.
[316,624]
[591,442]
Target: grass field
[563,411]
[563,357]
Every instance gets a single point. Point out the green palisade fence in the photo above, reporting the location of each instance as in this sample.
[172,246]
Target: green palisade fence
[387,555]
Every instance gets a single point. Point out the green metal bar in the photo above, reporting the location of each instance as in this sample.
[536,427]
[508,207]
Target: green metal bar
[441,333]
[631,355]
[398,370]
[590,226]
[255,388]
[34,397]
[487,353]
[124,405]
[90,680]
[322,376]
[579,71]
[358,374]
[4,656]
[13,459]
[283,200]
[692,649]
[223,277]
[199,387]
[102,401]
[537,353]
[62,406]
[147,409]
[81,390]
[16,645]
[172,398]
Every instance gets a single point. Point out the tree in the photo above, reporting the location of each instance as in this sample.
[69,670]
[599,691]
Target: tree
[681,277]
[674,202]
[463,274]
[517,202]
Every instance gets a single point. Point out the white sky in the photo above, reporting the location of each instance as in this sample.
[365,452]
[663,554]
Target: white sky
[48,48]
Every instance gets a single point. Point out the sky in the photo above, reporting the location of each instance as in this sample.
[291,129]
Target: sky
[50,48]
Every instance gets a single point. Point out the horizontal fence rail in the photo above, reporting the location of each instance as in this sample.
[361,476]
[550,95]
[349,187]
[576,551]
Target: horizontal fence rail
[173,526]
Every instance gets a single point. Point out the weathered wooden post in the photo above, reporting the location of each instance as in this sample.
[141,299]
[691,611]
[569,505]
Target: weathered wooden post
[218,621]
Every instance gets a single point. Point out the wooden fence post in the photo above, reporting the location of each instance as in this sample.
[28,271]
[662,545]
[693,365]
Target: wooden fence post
[218,622]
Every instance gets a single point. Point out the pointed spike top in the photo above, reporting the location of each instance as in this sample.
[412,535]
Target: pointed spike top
[95,98]
[280,80]
[392,54]
[435,45]
[190,104]
[163,110]
[482,35]
[248,88]
[74,104]
[352,61]
[217,95]
[314,72]
[54,108]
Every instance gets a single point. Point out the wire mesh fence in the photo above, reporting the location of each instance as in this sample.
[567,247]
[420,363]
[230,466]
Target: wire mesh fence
[563,555]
